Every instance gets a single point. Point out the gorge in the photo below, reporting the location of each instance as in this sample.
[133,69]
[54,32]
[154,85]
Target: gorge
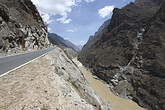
[121,67]
[129,53]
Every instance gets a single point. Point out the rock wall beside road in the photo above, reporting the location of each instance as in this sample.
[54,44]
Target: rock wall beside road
[21,27]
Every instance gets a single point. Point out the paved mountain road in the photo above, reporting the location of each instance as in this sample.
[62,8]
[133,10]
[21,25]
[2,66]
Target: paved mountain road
[10,62]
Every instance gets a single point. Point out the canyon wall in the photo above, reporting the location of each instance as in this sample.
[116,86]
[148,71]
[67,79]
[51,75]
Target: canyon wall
[129,54]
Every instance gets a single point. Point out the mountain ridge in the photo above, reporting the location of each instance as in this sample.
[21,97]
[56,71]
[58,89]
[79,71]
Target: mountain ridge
[96,35]
[125,53]
[58,40]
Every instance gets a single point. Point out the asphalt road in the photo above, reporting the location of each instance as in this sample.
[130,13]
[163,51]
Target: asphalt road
[11,62]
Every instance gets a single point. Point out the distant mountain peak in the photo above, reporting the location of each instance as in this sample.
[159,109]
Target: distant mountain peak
[93,37]
[58,40]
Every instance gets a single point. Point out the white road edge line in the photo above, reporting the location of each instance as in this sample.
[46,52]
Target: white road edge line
[21,53]
[24,64]
[18,54]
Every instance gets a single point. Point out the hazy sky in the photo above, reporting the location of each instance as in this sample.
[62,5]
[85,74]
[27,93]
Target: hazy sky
[76,20]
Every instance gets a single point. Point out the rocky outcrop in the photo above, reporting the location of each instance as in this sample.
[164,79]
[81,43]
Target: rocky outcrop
[129,53]
[21,27]
[58,40]
[70,72]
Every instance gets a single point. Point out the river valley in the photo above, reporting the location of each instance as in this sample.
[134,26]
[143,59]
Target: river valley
[104,92]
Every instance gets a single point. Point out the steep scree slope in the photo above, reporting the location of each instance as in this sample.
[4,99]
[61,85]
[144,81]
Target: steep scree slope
[130,51]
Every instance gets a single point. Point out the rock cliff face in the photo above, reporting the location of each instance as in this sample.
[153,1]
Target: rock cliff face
[130,52]
[21,27]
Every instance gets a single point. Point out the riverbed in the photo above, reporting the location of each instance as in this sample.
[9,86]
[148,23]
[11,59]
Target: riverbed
[105,93]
